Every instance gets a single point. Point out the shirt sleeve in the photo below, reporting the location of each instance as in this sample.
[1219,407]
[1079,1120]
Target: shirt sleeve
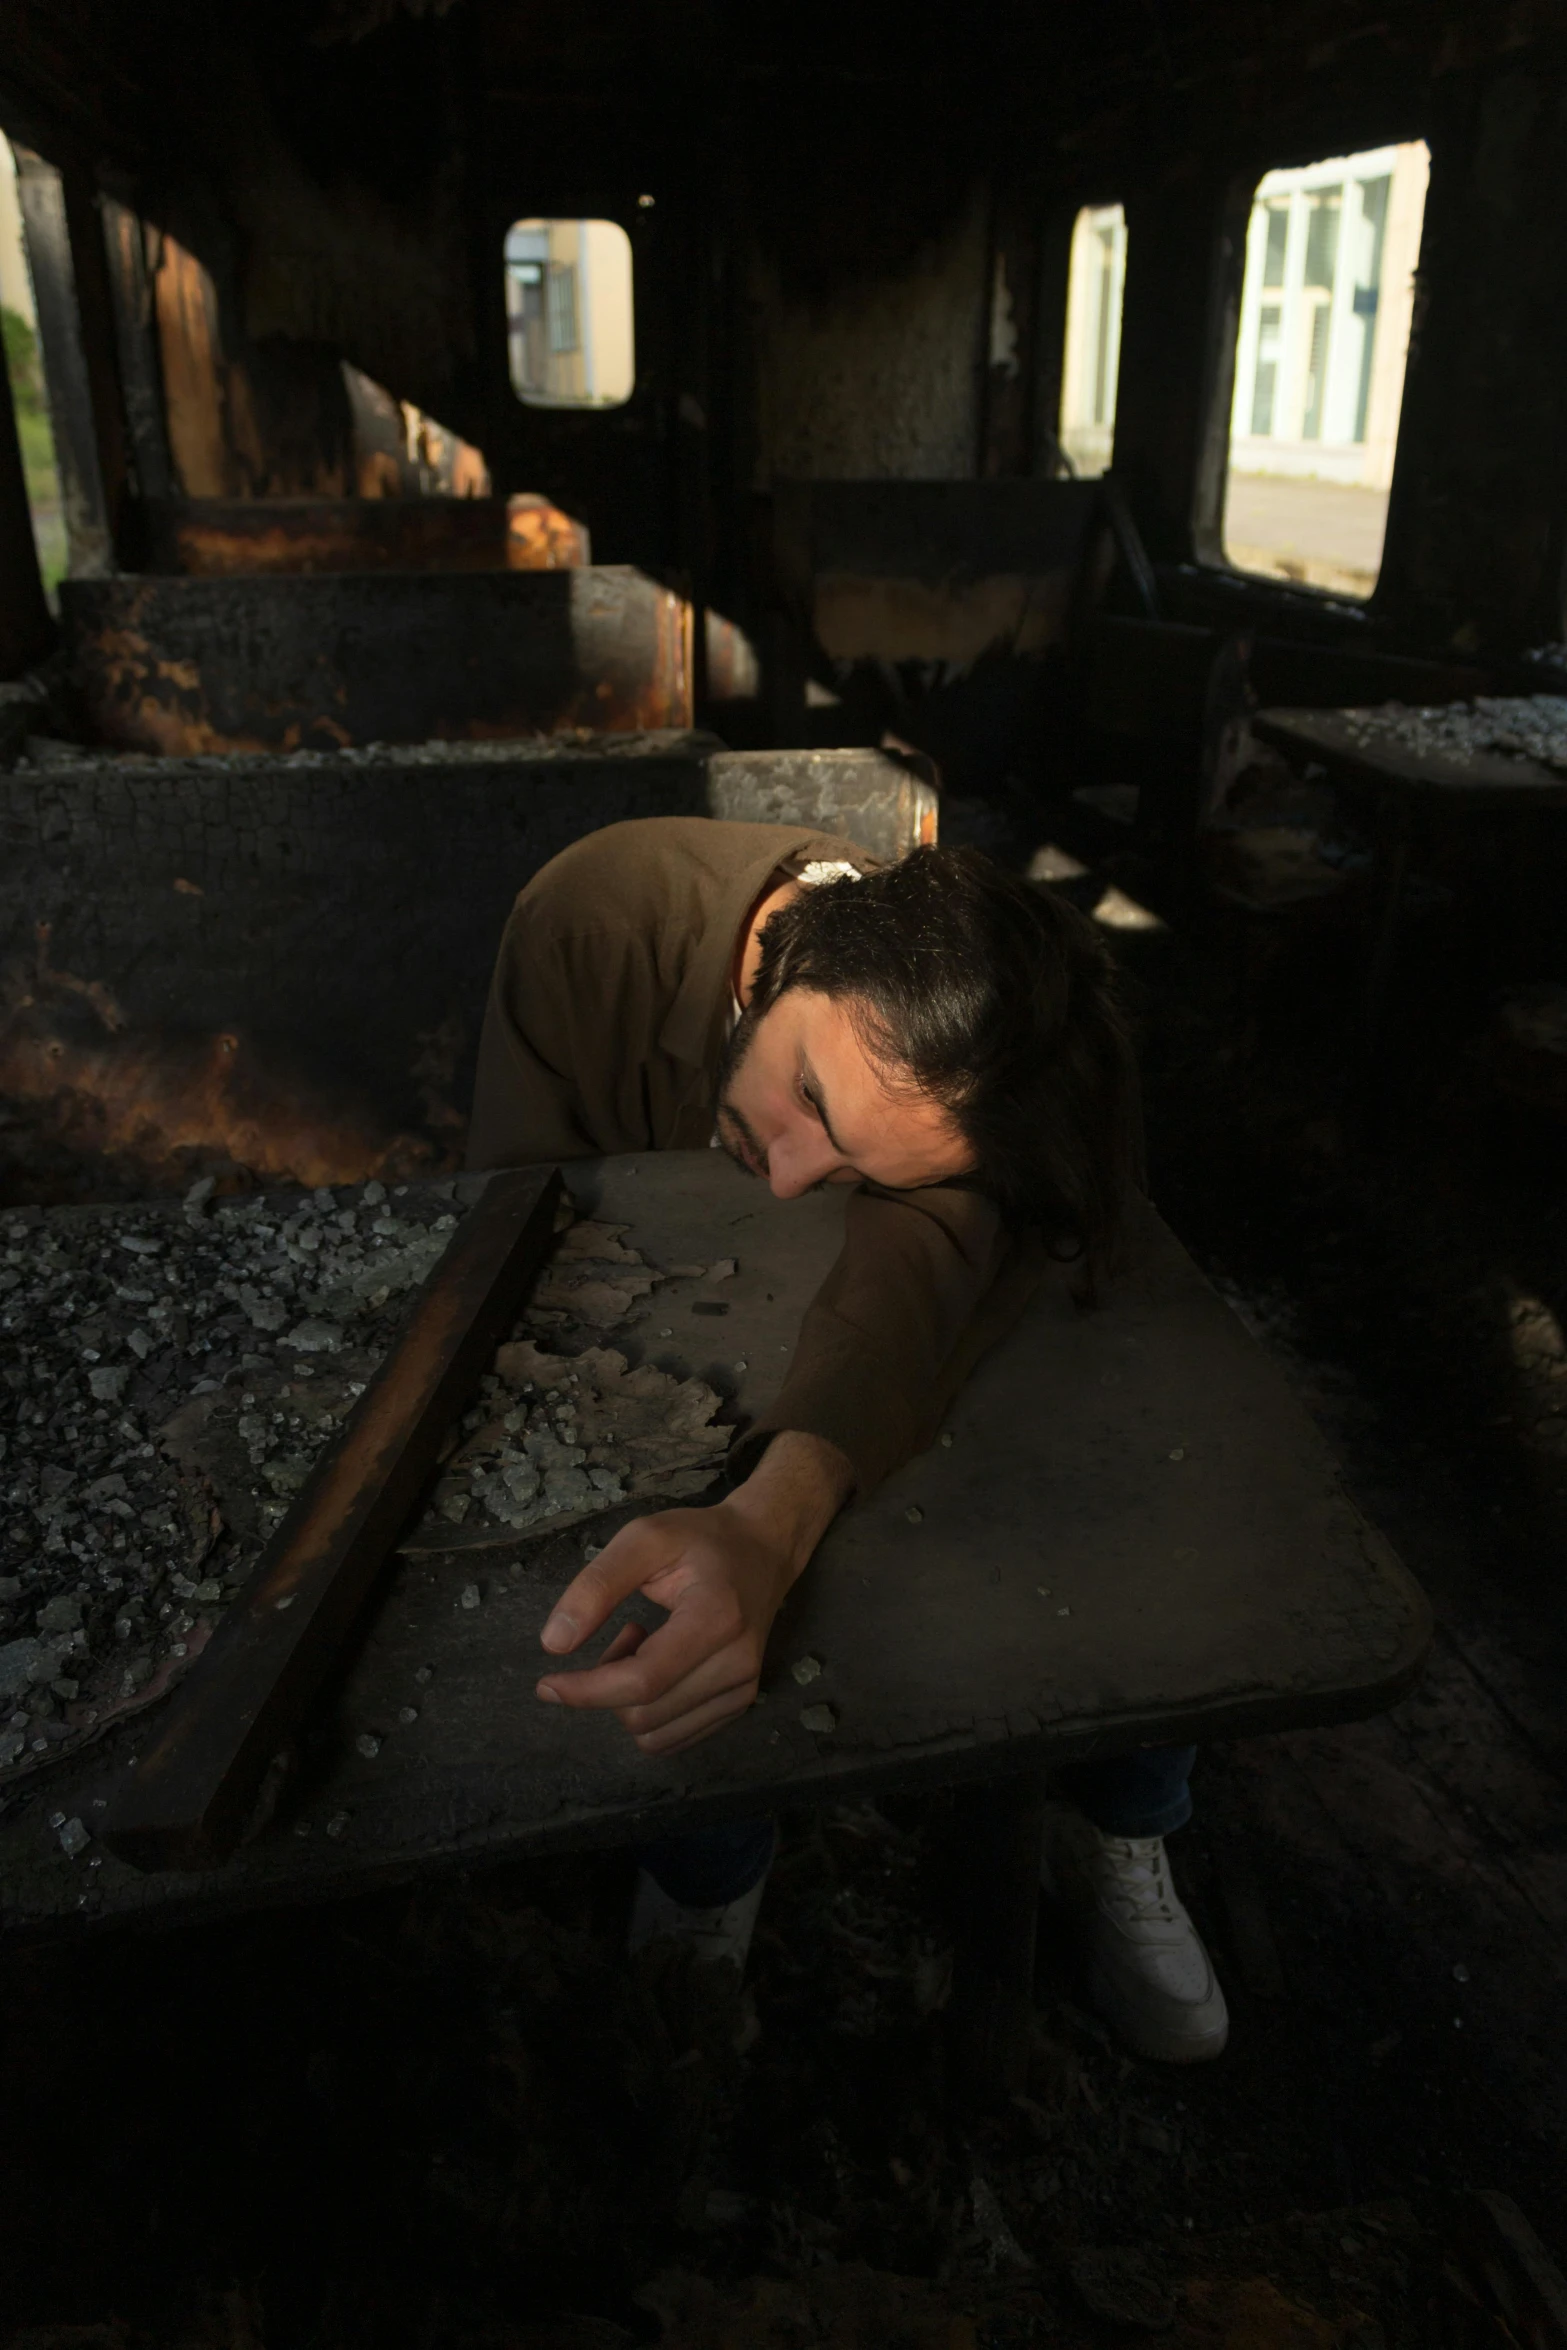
[544,1088]
[925,1282]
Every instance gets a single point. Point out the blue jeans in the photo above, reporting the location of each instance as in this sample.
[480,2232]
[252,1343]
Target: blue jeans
[1143,1794]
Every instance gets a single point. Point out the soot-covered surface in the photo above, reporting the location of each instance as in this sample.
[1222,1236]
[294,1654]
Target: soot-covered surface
[458,2118]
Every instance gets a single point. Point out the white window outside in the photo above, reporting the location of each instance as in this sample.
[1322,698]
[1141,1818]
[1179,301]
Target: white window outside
[570,330]
[1328,294]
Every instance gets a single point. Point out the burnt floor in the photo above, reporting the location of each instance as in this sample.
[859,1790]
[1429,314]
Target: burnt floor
[455,2118]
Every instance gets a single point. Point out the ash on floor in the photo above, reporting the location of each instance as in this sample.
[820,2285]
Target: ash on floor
[172,1376]
[124,1330]
[457,2119]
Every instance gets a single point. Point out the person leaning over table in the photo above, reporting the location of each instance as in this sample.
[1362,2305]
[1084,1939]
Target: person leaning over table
[945,1041]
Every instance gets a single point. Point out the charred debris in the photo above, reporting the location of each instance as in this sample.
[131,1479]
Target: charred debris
[433,428]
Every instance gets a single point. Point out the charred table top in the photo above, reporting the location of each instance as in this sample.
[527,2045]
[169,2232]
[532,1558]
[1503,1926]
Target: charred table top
[1134,1535]
[1482,779]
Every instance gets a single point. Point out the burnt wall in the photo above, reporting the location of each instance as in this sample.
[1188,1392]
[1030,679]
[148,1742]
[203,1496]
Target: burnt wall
[877,382]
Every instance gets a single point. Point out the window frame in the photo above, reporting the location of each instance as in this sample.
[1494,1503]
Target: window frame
[1233,351]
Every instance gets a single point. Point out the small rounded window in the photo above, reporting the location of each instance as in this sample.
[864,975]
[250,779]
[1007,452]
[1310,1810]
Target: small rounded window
[569,322]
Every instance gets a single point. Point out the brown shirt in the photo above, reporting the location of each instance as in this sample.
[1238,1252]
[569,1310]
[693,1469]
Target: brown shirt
[605,1028]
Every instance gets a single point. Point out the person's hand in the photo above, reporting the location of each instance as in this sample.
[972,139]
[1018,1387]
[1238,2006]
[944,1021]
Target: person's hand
[722,1573]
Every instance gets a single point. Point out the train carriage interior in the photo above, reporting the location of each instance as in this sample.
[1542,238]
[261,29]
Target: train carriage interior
[1128,441]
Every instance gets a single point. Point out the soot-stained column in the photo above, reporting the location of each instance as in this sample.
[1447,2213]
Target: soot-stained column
[1169,345]
[1478,512]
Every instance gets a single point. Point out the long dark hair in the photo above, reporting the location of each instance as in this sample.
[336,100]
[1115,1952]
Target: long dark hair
[999,1000]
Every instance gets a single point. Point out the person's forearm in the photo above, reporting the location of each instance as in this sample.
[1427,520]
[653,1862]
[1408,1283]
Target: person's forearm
[872,1367]
[793,1495]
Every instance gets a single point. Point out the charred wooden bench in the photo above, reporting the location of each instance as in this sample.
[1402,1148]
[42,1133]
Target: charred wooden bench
[1134,1536]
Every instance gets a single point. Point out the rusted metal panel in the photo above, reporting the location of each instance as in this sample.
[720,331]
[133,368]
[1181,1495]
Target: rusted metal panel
[539,537]
[135,334]
[193,367]
[198,1778]
[225,538]
[245,417]
[400,452]
[885,800]
[320,662]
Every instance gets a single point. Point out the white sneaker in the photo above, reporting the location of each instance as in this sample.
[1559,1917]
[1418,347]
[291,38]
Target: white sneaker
[1147,1972]
[714,1934]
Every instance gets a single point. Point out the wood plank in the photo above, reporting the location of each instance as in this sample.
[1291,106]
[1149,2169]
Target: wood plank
[197,1784]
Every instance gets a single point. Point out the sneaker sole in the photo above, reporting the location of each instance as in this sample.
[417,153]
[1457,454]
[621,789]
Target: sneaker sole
[1134,2033]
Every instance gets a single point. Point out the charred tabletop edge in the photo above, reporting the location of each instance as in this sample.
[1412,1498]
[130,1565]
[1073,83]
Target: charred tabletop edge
[197,1781]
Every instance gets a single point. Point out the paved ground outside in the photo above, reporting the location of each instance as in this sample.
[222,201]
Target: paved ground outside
[1322,533]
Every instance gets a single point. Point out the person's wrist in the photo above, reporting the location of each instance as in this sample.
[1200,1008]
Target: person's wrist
[791,1498]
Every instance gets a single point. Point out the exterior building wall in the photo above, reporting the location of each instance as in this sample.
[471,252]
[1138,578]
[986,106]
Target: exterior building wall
[569,312]
[1325,314]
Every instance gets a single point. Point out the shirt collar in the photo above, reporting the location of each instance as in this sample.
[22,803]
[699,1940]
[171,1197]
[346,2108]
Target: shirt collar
[694,1024]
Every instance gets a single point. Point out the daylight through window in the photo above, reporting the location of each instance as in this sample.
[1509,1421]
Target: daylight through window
[569,313]
[1092,358]
[1319,366]
[24,364]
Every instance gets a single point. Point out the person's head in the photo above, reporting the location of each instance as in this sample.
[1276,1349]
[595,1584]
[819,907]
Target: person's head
[939,1020]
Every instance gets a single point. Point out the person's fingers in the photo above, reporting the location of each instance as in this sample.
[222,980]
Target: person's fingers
[701,1723]
[625,1643]
[701,1625]
[731,1668]
[637,1552]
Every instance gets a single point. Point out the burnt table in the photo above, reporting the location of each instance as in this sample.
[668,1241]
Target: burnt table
[1128,1534]
[1407,786]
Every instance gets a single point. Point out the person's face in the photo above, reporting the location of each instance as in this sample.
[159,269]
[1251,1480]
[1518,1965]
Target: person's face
[802,1103]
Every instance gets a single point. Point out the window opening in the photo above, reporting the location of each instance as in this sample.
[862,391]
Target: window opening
[569,313]
[1319,378]
[24,366]
[1092,357]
